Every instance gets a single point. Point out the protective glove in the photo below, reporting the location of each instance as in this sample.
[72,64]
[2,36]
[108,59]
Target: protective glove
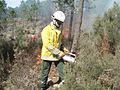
[66,51]
[61,54]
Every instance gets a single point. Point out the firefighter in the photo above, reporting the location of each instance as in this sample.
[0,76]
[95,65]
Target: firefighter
[52,49]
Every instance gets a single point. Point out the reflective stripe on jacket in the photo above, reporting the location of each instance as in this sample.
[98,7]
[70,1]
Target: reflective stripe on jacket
[51,42]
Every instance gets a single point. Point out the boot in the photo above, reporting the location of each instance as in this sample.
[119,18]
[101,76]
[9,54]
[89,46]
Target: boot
[58,85]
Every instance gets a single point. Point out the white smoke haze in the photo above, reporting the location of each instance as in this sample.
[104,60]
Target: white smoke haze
[99,7]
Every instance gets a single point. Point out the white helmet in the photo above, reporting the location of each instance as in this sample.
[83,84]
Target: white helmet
[59,15]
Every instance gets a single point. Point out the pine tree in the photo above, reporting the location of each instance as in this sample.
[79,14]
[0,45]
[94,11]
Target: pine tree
[78,17]
[29,11]
[11,12]
[107,27]
[2,9]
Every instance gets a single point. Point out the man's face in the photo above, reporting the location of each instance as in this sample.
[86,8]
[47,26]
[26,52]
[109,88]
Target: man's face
[58,23]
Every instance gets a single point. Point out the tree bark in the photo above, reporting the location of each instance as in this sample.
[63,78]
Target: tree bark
[78,21]
[70,27]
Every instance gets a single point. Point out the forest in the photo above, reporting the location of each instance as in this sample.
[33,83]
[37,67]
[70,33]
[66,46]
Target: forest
[90,31]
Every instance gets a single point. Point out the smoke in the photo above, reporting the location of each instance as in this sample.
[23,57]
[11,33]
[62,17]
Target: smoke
[97,8]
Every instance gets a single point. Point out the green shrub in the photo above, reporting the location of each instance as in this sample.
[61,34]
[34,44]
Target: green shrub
[23,40]
[83,75]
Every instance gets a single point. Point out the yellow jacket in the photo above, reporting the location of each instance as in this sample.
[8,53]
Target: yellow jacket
[51,39]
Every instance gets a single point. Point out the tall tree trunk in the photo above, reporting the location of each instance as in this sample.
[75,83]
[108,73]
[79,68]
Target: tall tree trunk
[79,4]
[70,27]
